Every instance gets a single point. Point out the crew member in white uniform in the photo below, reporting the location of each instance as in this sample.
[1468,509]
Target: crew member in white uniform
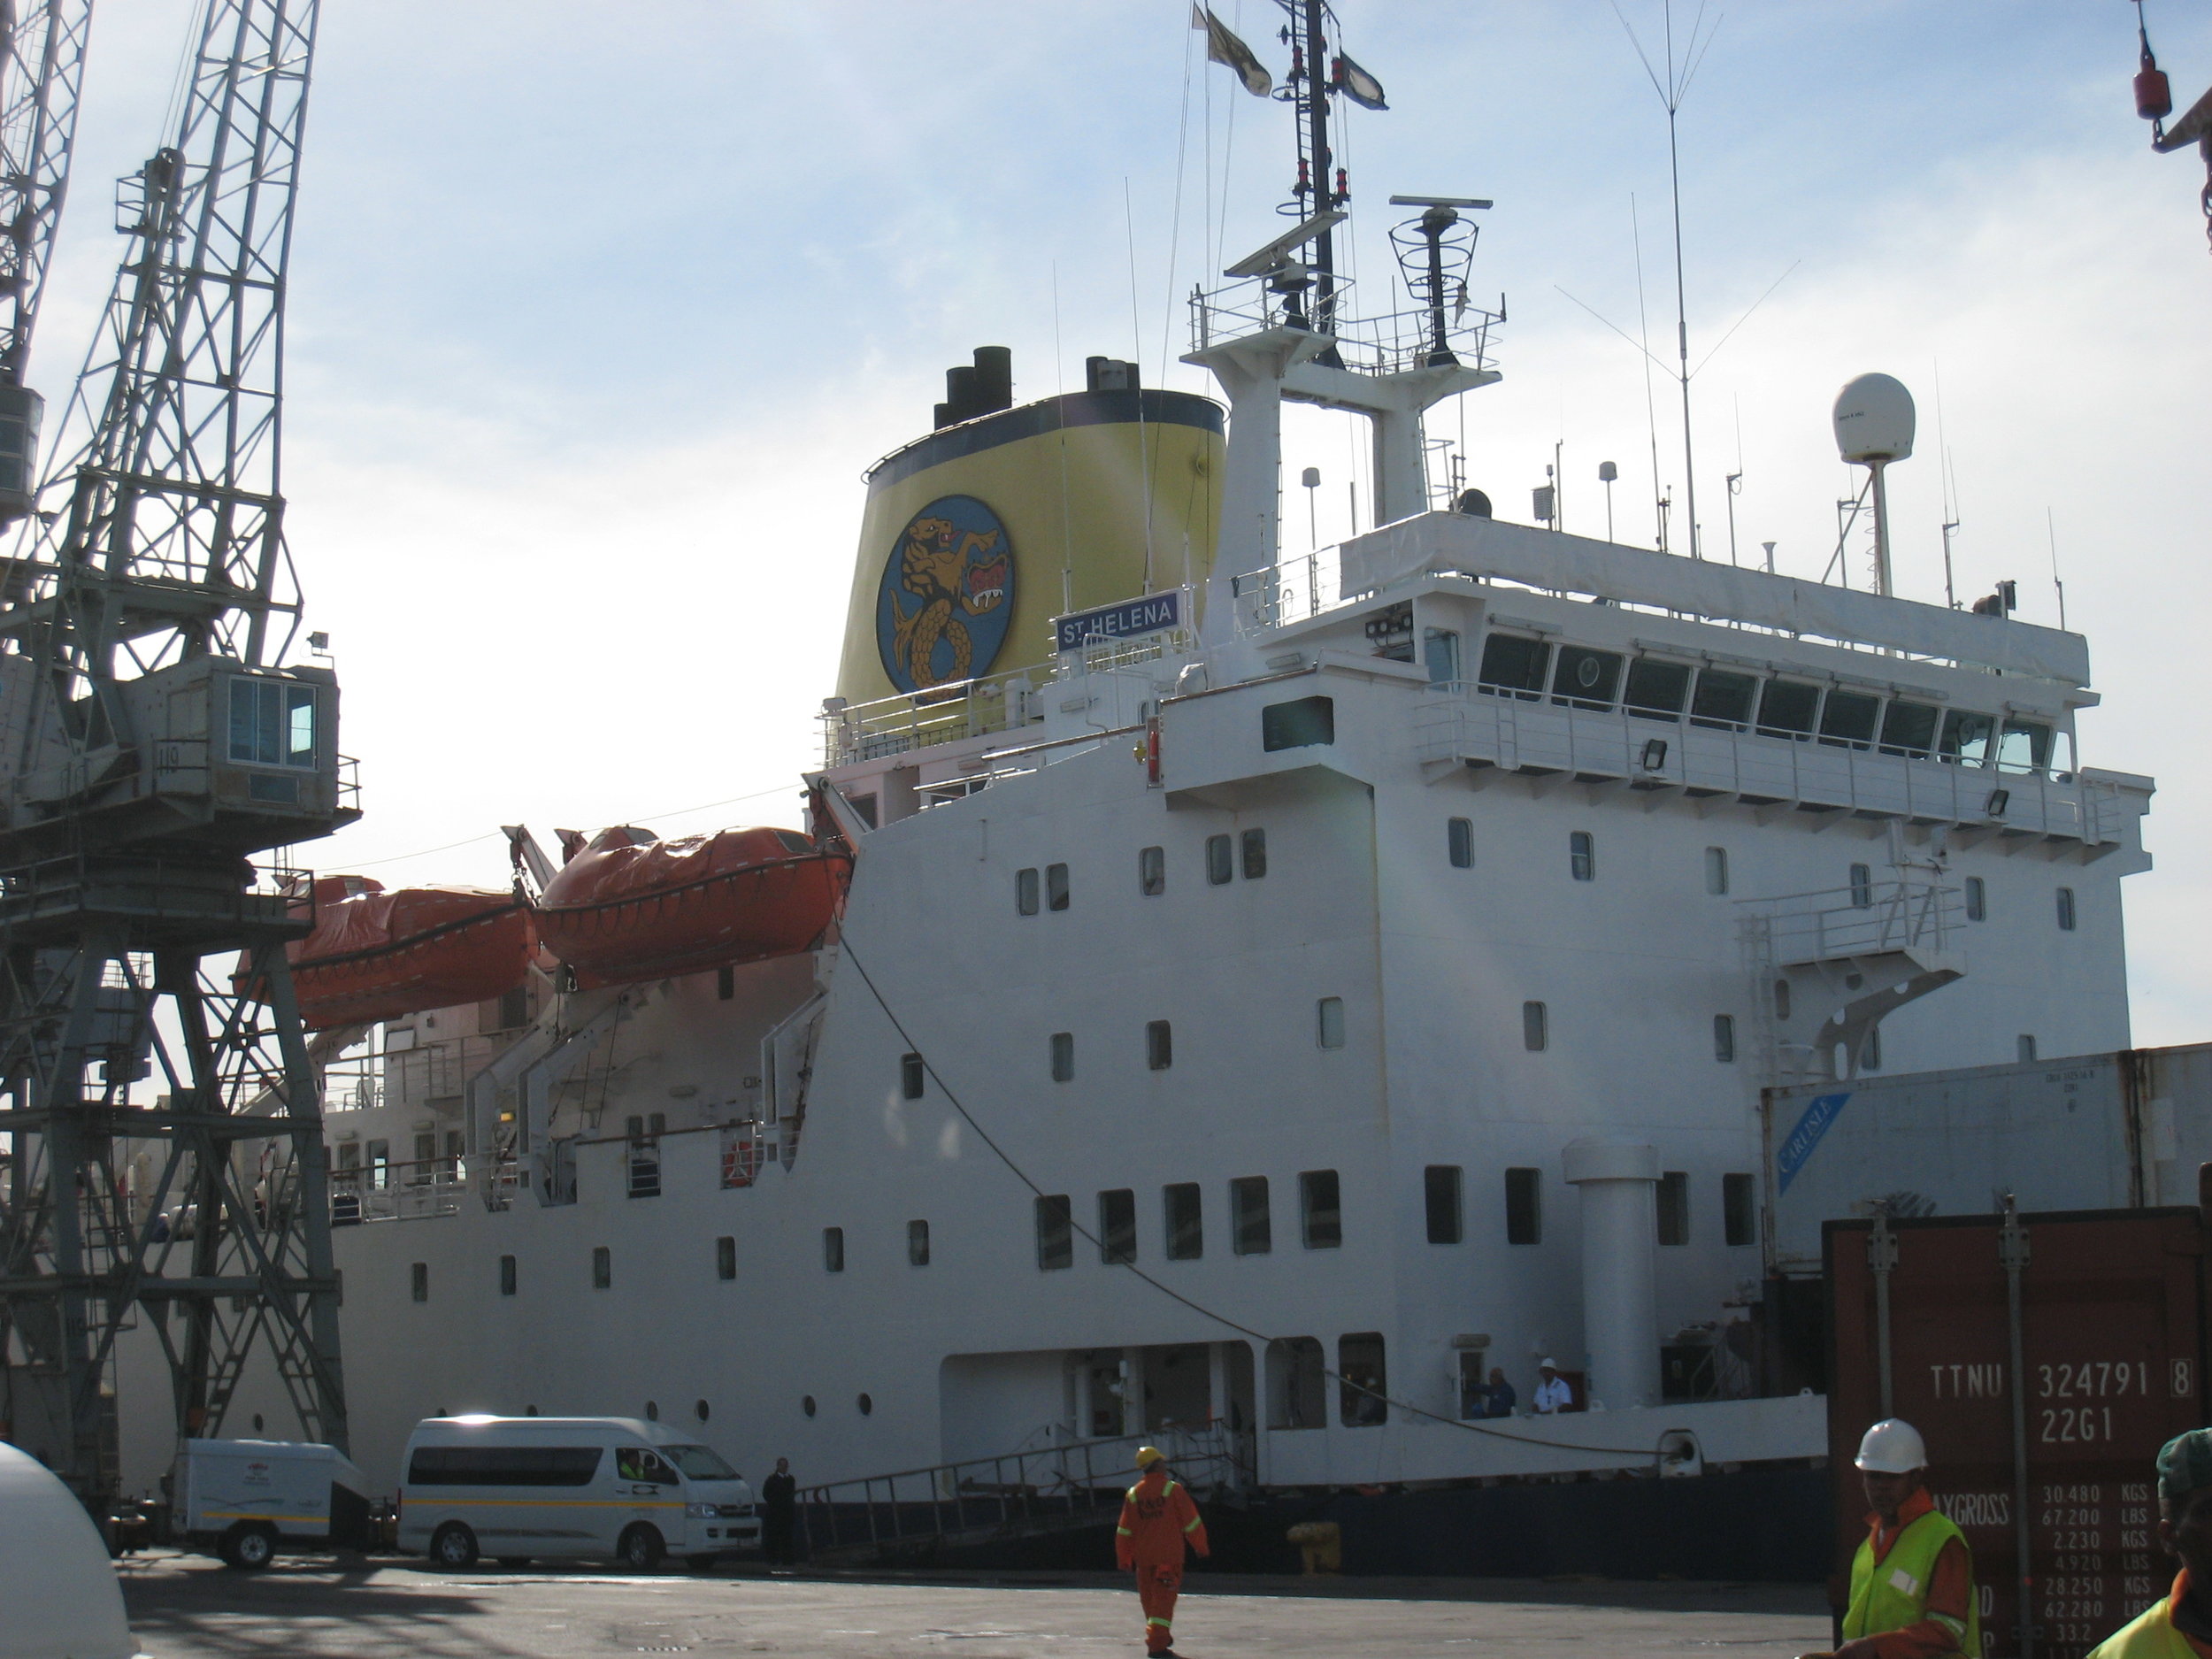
[1553,1391]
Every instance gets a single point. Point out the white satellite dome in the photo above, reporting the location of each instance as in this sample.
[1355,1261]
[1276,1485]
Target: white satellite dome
[1874,420]
[56,1583]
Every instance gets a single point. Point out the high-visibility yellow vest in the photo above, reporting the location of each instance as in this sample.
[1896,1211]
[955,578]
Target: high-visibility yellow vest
[1892,1593]
[2151,1636]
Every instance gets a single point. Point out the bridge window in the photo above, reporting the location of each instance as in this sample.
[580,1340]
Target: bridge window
[1459,842]
[1251,1232]
[1525,1206]
[1656,691]
[2066,910]
[1723,699]
[1301,724]
[1440,1198]
[1185,1221]
[1674,1208]
[1025,891]
[1846,720]
[1152,872]
[1582,857]
[1220,860]
[1967,737]
[1716,870]
[1786,708]
[1585,678]
[1724,1039]
[1513,666]
[1977,900]
[1909,729]
[2024,746]
[1063,1057]
[1117,1227]
[1056,1232]
[1739,1210]
[1321,1209]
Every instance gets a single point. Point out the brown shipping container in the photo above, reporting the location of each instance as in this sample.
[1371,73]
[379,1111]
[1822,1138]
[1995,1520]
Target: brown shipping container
[2110,1337]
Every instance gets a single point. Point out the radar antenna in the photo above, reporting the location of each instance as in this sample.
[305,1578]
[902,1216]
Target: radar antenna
[154,744]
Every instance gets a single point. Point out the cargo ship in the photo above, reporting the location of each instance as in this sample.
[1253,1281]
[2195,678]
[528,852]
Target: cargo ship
[1256,998]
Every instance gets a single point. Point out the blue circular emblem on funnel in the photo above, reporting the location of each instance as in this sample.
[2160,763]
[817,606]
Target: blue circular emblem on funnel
[947,595]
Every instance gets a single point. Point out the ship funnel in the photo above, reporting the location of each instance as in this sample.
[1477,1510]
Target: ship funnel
[983,387]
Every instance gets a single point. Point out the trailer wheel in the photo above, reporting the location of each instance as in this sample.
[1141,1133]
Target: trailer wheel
[640,1549]
[453,1546]
[247,1547]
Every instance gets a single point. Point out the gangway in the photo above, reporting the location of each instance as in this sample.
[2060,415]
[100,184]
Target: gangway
[1055,1488]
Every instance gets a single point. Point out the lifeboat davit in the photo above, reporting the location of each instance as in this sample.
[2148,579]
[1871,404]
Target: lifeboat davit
[628,907]
[376,955]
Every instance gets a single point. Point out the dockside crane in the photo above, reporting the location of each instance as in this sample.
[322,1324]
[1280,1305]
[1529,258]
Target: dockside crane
[166,1172]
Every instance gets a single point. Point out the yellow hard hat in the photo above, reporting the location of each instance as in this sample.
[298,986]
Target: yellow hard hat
[1147,1456]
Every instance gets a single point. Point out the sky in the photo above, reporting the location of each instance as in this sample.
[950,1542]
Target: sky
[597,315]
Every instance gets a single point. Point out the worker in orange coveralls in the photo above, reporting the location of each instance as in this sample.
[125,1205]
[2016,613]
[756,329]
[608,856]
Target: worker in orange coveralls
[1157,1520]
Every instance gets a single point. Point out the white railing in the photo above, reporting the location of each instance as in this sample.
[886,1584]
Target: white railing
[920,720]
[1912,912]
[1388,343]
[397,1192]
[1456,721]
[1293,590]
[440,1069]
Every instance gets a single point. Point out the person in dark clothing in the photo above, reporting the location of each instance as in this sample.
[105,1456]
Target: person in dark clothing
[1502,1398]
[779,1517]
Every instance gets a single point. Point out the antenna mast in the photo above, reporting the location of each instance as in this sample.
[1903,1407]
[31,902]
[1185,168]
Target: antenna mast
[1317,189]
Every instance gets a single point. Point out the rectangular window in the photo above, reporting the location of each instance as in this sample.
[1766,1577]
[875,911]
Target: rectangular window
[1723,700]
[1459,842]
[1329,1021]
[1739,1208]
[1870,1051]
[1908,729]
[1251,1232]
[725,986]
[725,1257]
[1056,886]
[833,1250]
[2066,910]
[1440,1195]
[1582,856]
[1977,900]
[1220,860]
[1786,708]
[2024,746]
[506,1275]
[1186,1225]
[2026,1047]
[1440,650]
[1674,1207]
[1514,665]
[379,1165]
[918,1244]
[1862,887]
[1525,1206]
[502,1466]
[1967,736]
[1364,1390]
[1847,719]
[911,1076]
[1024,892]
[1303,723]
[1063,1057]
[271,723]
[602,1267]
[1586,678]
[1535,1027]
[1117,1226]
[1159,1045]
[1152,870]
[1319,1210]
[418,1280]
[1656,691]
[1724,1039]
[1056,1232]
[1253,845]
[1716,871]
[1782,999]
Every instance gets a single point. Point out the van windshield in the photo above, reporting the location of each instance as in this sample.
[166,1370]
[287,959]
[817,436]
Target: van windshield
[699,1462]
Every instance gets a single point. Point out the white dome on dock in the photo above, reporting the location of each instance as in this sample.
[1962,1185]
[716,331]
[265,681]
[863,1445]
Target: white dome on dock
[56,1580]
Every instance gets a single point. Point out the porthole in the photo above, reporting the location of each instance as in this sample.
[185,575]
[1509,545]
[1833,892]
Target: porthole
[257,1423]
[866,1405]
[529,1411]
[807,1405]
[652,1410]
[700,1411]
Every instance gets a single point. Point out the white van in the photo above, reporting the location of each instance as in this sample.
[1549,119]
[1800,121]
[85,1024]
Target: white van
[246,1499]
[519,1488]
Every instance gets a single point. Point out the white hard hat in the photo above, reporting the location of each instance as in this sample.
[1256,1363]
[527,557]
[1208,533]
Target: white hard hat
[1546,1364]
[1892,1447]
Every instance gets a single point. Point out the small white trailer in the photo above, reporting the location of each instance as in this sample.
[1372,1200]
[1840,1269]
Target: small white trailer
[247,1501]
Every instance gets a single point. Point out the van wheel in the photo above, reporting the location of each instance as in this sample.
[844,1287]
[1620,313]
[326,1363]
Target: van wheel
[247,1547]
[453,1545]
[514,1561]
[641,1548]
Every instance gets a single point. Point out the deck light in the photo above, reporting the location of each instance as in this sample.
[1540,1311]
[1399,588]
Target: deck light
[1999,800]
[1654,753]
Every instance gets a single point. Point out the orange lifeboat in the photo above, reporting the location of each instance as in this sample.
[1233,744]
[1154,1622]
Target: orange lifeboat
[375,955]
[628,907]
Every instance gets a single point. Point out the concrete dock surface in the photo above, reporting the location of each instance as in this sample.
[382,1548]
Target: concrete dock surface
[186,1607]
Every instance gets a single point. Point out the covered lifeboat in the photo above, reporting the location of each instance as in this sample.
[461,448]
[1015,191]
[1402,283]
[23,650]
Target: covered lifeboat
[628,907]
[376,955]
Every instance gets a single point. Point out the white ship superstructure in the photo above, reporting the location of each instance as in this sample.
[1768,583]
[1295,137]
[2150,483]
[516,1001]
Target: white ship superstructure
[1382,950]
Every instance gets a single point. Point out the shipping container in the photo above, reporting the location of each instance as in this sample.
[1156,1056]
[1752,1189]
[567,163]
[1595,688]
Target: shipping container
[2044,1357]
[2091,1132]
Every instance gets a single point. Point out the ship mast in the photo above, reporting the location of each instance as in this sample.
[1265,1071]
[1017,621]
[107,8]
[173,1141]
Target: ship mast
[1317,189]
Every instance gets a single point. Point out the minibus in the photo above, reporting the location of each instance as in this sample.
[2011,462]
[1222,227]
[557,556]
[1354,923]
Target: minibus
[524,1488]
